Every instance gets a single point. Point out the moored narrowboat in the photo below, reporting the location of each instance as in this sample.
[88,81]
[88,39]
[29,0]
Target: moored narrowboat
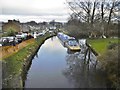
[69,42]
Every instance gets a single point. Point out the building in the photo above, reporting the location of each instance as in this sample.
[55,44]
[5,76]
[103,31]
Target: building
[11,25]
[25,28]
[0,27]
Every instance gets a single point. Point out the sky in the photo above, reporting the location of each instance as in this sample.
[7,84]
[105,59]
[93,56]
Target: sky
[34,10]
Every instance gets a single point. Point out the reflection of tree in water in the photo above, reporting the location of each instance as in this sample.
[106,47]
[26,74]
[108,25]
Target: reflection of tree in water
[78,73]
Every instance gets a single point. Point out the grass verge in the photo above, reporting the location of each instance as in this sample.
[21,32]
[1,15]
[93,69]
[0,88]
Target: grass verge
[16,60]
[101,45]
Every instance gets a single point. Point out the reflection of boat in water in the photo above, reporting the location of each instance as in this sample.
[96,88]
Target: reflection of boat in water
[69,42]
[70,51]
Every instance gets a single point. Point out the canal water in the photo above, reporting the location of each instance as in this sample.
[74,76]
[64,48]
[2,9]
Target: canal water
[55,67]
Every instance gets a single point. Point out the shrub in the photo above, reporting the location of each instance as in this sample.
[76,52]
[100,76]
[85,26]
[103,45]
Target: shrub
[112,45]
[10,32]
[110,65]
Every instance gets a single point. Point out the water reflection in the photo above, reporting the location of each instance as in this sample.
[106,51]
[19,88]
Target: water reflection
[80,74]
[46,70]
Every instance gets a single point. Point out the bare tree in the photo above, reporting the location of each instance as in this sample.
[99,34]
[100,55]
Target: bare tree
[112,14]
[86,11]
[113,8]
[81,9]
[95,6]
[92,11]
[103,11]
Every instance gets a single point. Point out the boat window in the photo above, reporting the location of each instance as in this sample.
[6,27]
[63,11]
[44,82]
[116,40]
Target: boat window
[72,43]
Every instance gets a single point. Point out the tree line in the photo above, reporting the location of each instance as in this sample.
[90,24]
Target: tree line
[95,15]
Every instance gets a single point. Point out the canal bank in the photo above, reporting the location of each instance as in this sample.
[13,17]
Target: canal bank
[108,58]
[14,65]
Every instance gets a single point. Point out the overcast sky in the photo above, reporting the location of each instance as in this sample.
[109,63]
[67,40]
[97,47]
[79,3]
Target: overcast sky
[37,10]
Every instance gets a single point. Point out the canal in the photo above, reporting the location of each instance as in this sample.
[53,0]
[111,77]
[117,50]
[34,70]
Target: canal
[55,67]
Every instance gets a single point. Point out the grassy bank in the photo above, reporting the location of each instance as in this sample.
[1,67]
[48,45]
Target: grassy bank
[13,65]
[108,50]
[101,45]
[7,51]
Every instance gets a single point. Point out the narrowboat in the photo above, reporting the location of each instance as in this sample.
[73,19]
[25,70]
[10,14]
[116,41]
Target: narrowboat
[69,42]
[72,45]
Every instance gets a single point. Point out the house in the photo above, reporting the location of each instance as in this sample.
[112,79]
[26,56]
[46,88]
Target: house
[11,25]
[54,26]
[0,27]
[25,28]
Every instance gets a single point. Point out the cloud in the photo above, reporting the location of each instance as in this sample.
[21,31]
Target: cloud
[23,18]
[34,9]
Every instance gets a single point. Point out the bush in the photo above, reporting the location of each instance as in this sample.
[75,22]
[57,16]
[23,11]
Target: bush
[112,45]
[10,32]
[110,65]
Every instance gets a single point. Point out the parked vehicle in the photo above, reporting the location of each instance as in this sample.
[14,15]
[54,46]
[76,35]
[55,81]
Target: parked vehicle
[21,37]
[8,40]
[40,34]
